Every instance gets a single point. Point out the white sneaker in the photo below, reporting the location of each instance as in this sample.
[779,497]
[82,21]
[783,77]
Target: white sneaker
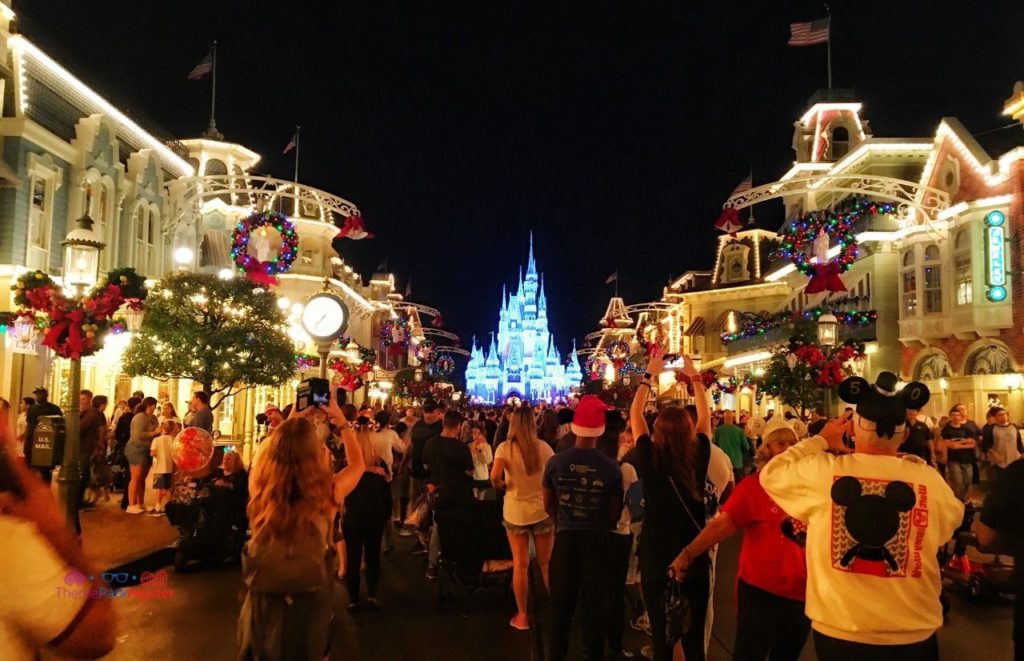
[134,509]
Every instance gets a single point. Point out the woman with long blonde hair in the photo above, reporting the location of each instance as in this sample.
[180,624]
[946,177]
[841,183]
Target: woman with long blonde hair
[293,495]
[519,467]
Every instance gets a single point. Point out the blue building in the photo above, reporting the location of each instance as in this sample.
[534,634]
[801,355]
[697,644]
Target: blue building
[522,359]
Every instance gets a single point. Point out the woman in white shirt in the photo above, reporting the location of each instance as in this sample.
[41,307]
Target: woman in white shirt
[482,456]
[519,467]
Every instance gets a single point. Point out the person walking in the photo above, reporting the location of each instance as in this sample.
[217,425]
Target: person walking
[367,509]
[875,522]
[772,578]
[519,469]
[287,611]
[583,494]
[449,467]
[673,465]
[1005,445]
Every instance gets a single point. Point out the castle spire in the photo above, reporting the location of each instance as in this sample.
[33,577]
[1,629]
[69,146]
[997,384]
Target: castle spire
[531,264]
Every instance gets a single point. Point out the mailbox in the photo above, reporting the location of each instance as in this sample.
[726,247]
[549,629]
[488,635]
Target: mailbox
[48,442]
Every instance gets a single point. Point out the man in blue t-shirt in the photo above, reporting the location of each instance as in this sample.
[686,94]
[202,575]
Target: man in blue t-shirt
[583,494]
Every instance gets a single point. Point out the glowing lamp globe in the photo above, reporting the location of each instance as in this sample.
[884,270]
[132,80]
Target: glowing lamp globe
[192,449]
[82,255]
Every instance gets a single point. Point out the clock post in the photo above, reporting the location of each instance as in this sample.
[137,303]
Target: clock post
[325,317]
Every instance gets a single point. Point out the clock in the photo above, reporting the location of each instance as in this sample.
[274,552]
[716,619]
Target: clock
[325,316]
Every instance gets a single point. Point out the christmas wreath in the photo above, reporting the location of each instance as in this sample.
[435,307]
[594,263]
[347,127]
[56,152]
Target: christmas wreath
[814,231]
[73,328]
[394,335]
[426,351]
[444,366]
[351,374]
[264,271]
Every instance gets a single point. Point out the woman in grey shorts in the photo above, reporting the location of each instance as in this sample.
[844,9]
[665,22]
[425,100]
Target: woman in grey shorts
[519,466]
[136,451]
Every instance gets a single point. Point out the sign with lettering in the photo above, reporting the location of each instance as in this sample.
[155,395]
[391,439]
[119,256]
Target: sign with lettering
[995,256]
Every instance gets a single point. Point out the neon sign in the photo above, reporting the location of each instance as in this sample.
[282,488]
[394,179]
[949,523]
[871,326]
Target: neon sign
[995,256]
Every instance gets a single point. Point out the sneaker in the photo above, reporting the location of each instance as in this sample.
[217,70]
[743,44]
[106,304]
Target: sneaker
[406,532]
[641,623]
[155,513]
[419,549]
[519,622]
[432,573]
[133,509]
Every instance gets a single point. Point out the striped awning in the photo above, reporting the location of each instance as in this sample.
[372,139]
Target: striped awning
[696,327]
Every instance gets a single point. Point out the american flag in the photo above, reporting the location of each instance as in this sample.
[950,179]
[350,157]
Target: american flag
[291,143]
[809,34]
[204,67]
[742,187]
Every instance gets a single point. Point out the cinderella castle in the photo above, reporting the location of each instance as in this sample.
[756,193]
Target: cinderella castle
[522,359]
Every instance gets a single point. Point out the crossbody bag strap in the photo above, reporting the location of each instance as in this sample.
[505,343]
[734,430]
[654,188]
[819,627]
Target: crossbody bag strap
[682,501]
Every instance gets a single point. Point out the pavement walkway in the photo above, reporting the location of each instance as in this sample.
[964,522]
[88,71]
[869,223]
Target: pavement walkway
[112,538]
[196,618]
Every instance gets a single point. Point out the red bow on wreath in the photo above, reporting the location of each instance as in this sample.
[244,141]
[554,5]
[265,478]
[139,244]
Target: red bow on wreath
[69,323]
[825,278]
[831,374]
[810,354]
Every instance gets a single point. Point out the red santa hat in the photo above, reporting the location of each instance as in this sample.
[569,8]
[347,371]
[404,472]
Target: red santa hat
[589,416]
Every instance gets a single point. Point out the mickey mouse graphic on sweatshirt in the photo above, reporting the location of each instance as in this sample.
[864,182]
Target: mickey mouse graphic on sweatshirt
[874,522]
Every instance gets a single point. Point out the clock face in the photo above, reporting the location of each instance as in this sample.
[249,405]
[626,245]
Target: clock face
[325,316]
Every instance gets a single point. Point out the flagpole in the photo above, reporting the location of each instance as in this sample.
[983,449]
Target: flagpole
[297,129]
[213,92]
[828,44]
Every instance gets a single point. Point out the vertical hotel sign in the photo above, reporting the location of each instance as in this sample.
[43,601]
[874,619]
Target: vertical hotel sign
[995,256]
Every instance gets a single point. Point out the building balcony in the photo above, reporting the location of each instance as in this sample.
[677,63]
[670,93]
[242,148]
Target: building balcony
[777,336]
[965,322]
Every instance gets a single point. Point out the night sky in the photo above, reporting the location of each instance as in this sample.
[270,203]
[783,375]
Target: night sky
[613,131]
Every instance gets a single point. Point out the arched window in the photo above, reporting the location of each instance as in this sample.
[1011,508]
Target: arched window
[138,238]
[932,367]
[909,281]
[963,276]
[991,359]
[932,270]
[840,142]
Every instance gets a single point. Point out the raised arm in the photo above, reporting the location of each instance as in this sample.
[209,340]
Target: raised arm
[700,397]
[347,479]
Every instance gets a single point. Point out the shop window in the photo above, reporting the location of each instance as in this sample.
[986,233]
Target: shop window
[909,284]
[962,268]
[932,276]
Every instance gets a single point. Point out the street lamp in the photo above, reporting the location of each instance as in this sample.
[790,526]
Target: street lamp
[828,335]
[183,257]
[418,374]
[352,352]
[82,250]
[828,330]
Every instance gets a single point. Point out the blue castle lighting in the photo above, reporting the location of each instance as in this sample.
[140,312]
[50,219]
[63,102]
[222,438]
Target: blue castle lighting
[522,359]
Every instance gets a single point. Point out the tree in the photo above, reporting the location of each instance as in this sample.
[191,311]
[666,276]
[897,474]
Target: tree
[228,335]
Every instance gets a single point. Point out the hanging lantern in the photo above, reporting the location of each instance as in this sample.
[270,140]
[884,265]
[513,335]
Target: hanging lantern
[24,332]
[133,318]
[828,330]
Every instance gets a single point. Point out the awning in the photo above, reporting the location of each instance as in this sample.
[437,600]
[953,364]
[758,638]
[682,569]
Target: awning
[696,327]
[722,322]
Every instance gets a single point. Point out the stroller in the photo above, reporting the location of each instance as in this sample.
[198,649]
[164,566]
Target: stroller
[981,579]
[474,548]
[210,518]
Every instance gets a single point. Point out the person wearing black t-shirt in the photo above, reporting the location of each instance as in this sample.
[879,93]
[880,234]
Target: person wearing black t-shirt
[961,442]
[918,441]
[1001,526]
[449,466]
[674,509]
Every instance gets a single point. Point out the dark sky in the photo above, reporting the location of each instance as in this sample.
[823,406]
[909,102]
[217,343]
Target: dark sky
[613,130]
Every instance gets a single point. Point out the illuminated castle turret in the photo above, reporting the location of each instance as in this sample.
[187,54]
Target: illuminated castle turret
[522,358]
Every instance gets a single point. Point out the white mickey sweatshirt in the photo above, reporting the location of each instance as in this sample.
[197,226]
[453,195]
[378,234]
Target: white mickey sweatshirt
[874,525]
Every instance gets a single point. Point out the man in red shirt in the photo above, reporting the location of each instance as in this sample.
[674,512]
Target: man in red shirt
[772,579]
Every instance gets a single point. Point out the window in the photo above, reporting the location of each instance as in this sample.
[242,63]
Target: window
[932,270]
[963,277]
[96,196]
[139,240]
[909,284]
[840,142]
[40,218]
[152,243]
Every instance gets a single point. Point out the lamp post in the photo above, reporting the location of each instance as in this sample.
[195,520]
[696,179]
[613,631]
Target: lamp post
[828,336]
[81,271]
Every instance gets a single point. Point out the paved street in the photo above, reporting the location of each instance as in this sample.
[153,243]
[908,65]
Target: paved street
[198,621]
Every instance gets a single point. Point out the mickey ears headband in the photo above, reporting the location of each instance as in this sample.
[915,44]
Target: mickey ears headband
[856,389]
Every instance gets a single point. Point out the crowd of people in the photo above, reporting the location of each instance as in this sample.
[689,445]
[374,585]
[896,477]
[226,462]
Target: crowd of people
[619,511]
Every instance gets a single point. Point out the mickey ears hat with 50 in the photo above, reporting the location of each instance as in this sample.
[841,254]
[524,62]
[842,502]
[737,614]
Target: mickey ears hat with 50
[884,403]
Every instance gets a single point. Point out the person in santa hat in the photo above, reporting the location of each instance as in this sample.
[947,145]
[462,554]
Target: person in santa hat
[583,494]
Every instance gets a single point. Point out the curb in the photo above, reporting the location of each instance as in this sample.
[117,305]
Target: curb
[150,561]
